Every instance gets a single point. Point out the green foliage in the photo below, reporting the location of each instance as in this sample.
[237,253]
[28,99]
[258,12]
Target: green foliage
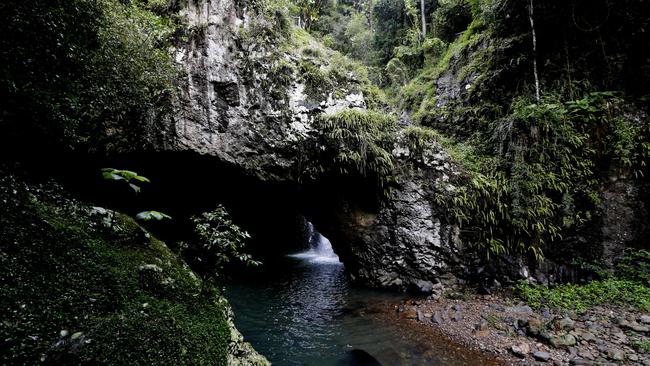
[74,70]
[126,176]
[397,72]
[433,49]
[73,284]
[152,215]
[219,241]
[543,179]
[642,345]
[361,37]
[635,266]
[450,18]
[391,27]
[581,297]
[358,142]
[317,81]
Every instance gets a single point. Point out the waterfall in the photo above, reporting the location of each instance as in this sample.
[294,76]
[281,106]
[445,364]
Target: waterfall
[320,249]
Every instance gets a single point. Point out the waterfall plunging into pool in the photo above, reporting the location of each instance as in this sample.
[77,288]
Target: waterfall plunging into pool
[320,249]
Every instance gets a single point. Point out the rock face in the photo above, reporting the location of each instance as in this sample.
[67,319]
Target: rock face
[406,245]
[243,100]
[249,100]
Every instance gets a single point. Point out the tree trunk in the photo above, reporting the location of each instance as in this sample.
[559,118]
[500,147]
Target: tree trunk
[532,28]
[424,20]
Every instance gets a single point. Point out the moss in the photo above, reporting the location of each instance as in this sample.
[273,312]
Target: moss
[97,289]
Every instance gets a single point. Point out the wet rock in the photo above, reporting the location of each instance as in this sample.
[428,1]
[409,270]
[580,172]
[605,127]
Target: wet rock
[563,341]
[520,350]
[423,286]
[542,356]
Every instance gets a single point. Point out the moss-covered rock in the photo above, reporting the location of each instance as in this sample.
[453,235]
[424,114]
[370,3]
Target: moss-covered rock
[84,285]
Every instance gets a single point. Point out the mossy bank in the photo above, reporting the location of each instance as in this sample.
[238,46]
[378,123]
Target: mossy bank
[86,285]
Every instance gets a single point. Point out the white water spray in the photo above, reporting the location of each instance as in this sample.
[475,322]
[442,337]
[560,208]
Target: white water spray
[320,249]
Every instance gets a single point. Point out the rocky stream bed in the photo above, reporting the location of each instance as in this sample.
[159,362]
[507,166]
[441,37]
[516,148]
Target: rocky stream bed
[516,334]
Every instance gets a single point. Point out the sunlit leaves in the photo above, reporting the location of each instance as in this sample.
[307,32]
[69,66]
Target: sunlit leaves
[152,215]
[127,176]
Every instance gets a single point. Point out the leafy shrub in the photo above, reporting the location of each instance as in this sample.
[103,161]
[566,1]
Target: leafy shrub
[219,240]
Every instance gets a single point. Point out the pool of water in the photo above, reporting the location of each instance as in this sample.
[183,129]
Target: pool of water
[301,310]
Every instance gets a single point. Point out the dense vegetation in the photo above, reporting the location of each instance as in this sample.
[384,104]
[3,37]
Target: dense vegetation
[539,129]
[77,72]
[629,284]
[84,285]
[542,104]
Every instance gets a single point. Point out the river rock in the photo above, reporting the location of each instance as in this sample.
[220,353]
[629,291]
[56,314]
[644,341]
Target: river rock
[584,353]
[520,349]
[563,341]
[645,319]
[525,309]
[458,316]
[542,356]
[566,324]
[586,336]
[420,317]
[437,318]
[534,326]
[616,354]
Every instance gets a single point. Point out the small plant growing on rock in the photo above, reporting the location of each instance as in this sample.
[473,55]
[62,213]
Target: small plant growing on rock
[219,241]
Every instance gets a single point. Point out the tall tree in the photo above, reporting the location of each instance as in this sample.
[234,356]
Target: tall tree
[532,28]
[424,20]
